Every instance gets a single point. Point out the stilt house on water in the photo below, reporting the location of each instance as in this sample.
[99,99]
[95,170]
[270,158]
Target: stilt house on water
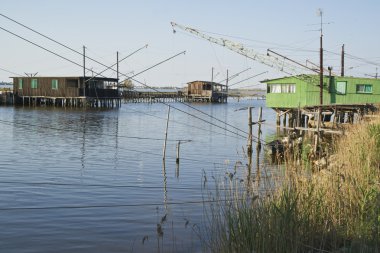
[66,91]
[204,91]
[341,95]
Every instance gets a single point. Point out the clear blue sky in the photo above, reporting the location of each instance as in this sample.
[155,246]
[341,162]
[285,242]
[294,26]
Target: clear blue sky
[104,27]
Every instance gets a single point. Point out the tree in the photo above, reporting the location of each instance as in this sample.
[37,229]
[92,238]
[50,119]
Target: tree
[128,84]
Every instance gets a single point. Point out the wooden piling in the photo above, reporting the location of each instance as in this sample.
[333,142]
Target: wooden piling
[258,146]
[284,119]
[291,119]
[249,144]
[166,134]
[259,120]
[299,116]
[178,147]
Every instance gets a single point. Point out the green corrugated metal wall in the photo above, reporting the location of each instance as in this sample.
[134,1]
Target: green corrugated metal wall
[308,94]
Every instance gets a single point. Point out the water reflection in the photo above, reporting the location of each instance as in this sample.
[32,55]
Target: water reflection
[165,184]
[83,148]
[55,159]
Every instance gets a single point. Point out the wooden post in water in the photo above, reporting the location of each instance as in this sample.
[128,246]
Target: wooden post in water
[249,144]
[258,146]
[177,160]
[178,146]
[166,134]
[249,148]
[259,120]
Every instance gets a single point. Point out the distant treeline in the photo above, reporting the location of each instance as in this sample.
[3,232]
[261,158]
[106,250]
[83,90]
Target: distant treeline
[5,83]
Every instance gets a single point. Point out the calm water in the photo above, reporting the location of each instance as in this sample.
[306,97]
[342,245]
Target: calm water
[93,180]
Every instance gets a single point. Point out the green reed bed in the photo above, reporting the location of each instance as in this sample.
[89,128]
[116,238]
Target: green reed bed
[336,209]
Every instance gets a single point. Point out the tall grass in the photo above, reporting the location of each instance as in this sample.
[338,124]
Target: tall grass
[332,210]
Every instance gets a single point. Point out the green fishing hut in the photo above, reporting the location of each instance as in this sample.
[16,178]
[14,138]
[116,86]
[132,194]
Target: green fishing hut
[292,94]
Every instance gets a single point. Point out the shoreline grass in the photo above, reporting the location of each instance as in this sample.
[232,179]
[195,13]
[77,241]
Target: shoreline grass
[336,209]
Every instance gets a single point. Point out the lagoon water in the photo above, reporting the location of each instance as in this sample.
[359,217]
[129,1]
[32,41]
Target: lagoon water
[75,180]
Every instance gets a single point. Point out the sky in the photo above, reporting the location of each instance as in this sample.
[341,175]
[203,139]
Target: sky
[288,27]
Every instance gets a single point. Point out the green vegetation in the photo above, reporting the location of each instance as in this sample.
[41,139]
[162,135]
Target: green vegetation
[336,209]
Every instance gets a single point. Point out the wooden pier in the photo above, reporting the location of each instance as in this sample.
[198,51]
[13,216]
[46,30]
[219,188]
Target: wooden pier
[68,101]
[169,96]
[332,116]
[153,97]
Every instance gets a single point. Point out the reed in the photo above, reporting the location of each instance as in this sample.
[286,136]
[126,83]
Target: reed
[336,209]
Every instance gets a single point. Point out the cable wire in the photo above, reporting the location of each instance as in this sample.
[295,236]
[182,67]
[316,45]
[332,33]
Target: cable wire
[11,72]
[135,150]
[131,78]
[184,124]
[47,37]
[122,74]
[65,129]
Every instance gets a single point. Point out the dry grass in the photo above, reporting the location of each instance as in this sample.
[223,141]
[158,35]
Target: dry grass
[333,210]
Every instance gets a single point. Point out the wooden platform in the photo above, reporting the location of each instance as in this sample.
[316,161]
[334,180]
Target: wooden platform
[332,115]
[68,101]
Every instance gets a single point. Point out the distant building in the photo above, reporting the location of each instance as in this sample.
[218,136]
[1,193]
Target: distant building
[205,91]
[51,89]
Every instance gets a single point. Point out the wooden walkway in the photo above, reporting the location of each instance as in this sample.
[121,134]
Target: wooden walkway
[177,96]
[68,101]
[157,97]
[152,97]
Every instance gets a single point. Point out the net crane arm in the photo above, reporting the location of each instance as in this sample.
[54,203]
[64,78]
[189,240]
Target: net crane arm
[274,61]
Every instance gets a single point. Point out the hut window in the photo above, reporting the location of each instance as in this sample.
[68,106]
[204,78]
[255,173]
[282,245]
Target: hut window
[285,88]
[71,83]
[292,88]
[34,84]
[54,84]
[206,87]
[20,83]
[341,87]
[282,88]
[275,88]
[364,88]
[288,88]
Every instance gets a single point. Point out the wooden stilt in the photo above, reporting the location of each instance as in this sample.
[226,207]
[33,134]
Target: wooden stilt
[284,119]
[277,118]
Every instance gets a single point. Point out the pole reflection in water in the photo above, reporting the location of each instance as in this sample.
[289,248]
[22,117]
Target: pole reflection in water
[165,185]
[177,170]
[258,169]
[83,148]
